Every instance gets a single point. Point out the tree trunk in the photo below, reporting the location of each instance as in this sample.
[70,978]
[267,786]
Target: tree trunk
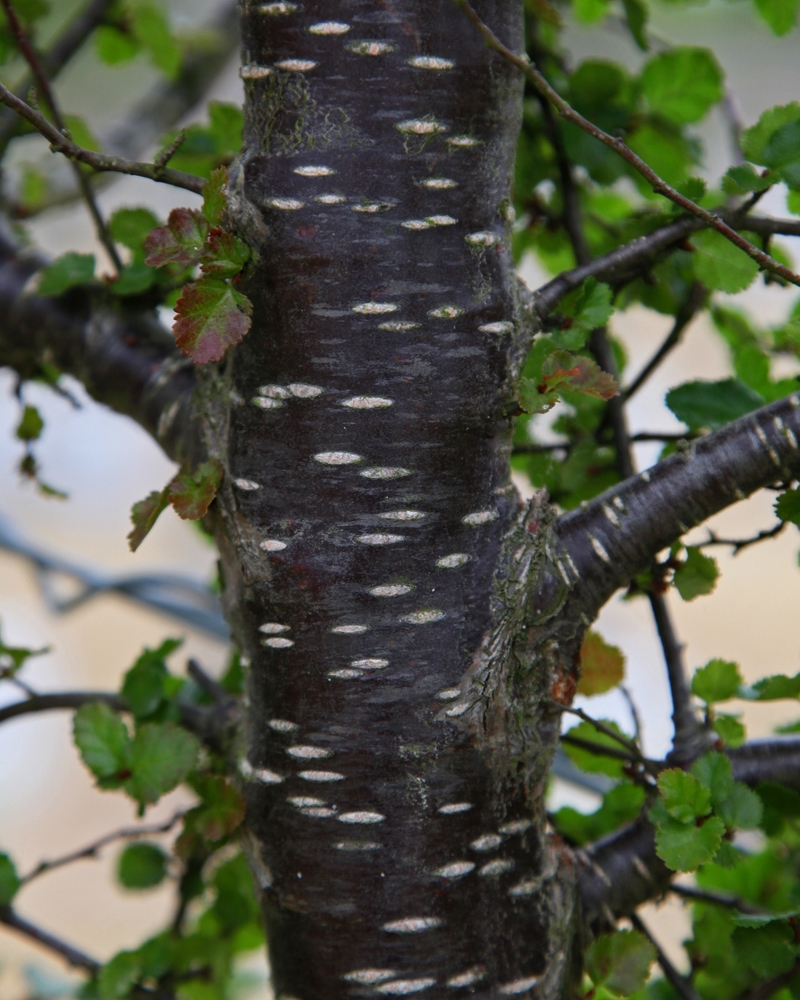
[396,833]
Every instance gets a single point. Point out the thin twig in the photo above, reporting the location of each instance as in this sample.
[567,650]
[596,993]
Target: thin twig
[657,183]
[742,543]
[663,436]
[600,726]
[97,161]
[72,955]
[43,84]
[714,898]
[600,750]
[682,986]
[637,724]
[90,851]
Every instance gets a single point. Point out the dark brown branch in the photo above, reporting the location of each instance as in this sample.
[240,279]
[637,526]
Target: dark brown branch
[91,850]
[742,543]
[602,750]
[98,161]
[682,986]
[73,956]
[696,895]
[616,535]
[763,991]
[658,184]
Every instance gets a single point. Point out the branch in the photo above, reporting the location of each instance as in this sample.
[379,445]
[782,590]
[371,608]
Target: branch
[616,535]
[742,543]
[98,161]
[122,354]
[767,989]
[682,986]
[714,898]
[657,183]
[76,958]
[90,851]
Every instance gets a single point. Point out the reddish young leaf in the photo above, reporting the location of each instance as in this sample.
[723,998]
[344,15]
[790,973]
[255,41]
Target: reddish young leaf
[191,493]
[144,515]
[180,241]
[214,199]
[224,255]
[602,665]
[562,370]
[211,317]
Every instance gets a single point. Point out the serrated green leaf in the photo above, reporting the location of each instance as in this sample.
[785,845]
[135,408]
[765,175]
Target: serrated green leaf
[741,809]
[211,317]
[773,688]
[151,29]
[144,515]
[593,306]
[602,665]
[562,371]
[721,265]
[787,506]
[780,15]
[683,847]
[730,730]
[636,17]
[9,880]
[780,804]
[130,227]
[718,680]
[710,405]
[141,866]
[744,178]
[214,199]
[697,575]
[224,255]
[620,962]
[532,400]
[143,686]
[161,755]
[114,47]
[685,798]
[767,950]
[682,83]
[191,494]
[756,138]
[714,770]
[67,271]
[102,739]
[30,425]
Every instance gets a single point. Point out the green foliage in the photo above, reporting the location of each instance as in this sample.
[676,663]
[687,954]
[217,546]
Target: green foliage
[696,575]
[30,425]
[145,686]
[718,680]
[595,761]
[774,142]
[720,265]
[780,15]
[787,506]
[682,83]
[211,316]
[13,658]
[207,147]
[621,805]
[602,665]
[9,880]
[67,271]
[103,741]
[773,688]
[620,962]
[710,405]
[561,372]
[141,866]
[191,493]
[144,515]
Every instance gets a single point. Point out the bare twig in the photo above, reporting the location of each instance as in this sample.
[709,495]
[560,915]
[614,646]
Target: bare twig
[682,986]
[43,84]
[637,724]
[742,543]
[714,898]
[600,750]
[91,850]
[97,161]
[600,726]
[657,183]
[72,955]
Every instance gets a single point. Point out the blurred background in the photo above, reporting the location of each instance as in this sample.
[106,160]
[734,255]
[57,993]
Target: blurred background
[105,463]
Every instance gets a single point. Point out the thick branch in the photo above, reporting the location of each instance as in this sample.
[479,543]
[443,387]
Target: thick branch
[121,353]
[604,544]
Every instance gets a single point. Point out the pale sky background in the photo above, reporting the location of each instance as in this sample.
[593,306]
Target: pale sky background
[47,803]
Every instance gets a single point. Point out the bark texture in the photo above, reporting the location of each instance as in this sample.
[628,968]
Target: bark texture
[365,422]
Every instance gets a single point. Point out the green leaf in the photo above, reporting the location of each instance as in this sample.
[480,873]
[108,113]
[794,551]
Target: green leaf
[114,47]
[622,804]
[80,133]
[9,880]
[220,812]
[180,241]
[729,729]
[721,265]
[134,279]
[620,962]
[224,255]
[214,199]
[161,756]
[715,772]
[773,688]
[590,11]
[66,271]
[30,425]
[102,739]
[683,847]
[144,685]
[682,83]
[33,188]
[593,306]
[741,810]
[685,798]
[780,15]
[767,950]
[118,976]
[697,575]
[710,405]
[151,29]
[532,399]
[755,140]
[13,658]
[144,515]
[130,227]
[787,506]
[744,178]
[586,760]
[191,494]
[780,804]
[141,866]
[602,665]
[210,317]
[718,680]
[636,16]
